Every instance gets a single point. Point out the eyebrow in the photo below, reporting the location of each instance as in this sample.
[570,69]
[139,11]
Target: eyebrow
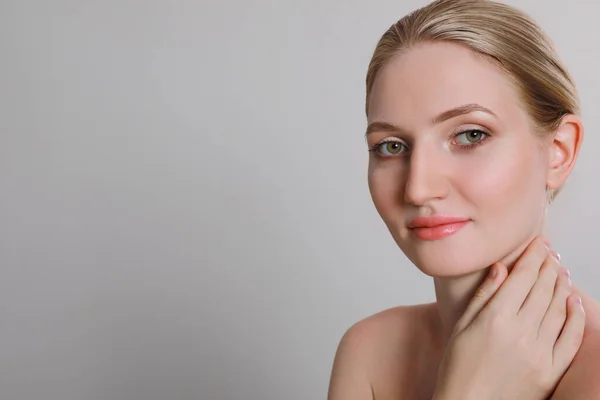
[378,126]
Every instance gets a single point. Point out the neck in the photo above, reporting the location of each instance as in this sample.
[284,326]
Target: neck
[454,293]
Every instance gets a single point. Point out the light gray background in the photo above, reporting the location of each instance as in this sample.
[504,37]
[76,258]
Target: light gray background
[184,207]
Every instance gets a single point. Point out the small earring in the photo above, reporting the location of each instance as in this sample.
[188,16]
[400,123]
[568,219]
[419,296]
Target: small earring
[550,194]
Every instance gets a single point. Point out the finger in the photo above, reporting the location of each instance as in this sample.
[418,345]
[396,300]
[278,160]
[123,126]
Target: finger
[539,298]
[555,317]
[484,293]
[571,337]
[521,279]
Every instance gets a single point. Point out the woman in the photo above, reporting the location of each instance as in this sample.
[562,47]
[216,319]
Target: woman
[473,128]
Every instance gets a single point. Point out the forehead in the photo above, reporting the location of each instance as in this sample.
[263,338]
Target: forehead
[434,77]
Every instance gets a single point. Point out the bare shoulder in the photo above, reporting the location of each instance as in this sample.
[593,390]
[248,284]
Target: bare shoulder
[582,379]
[375,348]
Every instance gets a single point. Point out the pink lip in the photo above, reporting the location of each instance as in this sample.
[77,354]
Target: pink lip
[434,228]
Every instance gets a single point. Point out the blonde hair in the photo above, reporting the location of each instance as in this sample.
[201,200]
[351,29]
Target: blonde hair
[505,35]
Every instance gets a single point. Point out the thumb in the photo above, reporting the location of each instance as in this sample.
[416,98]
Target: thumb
[497,274]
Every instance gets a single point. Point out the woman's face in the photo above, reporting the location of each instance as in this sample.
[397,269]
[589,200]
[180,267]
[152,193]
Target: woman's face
[450,137]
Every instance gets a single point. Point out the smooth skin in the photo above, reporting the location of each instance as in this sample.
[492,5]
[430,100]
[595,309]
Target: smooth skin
[515,341]
[507,345]
[420,165]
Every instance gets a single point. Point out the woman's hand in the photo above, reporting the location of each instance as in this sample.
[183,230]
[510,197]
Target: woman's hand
[518,335]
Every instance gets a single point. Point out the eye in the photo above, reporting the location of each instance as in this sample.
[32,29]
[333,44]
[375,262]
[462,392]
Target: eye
[389,148]
[471,136]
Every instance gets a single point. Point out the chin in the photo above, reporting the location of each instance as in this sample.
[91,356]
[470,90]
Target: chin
[441,264]
[453,256]
[443,269]
[471,249]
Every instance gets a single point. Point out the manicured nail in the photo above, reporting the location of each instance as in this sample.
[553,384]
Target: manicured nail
[556,255]
[579,301]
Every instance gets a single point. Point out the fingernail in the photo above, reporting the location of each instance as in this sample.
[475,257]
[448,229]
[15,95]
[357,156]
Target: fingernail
[579,300]
[493,272]
[556,255]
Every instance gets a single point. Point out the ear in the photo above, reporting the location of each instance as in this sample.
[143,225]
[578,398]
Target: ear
[564,150]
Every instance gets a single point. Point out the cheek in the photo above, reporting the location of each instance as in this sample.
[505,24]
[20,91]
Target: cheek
[507,183]
[386,185]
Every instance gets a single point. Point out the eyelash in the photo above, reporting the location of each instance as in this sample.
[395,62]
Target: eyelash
[466,147]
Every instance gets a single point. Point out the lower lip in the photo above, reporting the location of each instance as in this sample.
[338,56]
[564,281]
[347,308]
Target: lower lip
[438,232]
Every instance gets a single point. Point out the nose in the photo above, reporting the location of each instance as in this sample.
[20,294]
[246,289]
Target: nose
[427,177]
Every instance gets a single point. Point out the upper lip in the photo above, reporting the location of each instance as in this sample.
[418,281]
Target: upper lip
[428,222]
